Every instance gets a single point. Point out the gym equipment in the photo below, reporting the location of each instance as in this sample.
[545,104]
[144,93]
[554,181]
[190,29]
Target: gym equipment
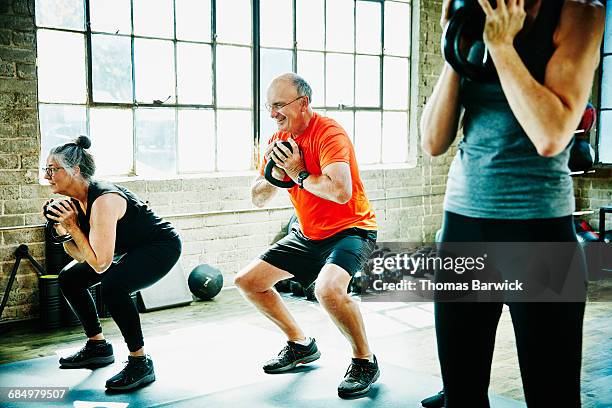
[296,288]
[588,119]
[50,227]
[582,156]
[20,253]
[283,286]
[309,292]
[462,43]
[268,172]
[205,281]
[359,283]
[435,401]
[50,298]
[169,291]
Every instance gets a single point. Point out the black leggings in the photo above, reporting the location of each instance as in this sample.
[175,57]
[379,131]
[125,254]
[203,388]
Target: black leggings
[548,335]
[138,269]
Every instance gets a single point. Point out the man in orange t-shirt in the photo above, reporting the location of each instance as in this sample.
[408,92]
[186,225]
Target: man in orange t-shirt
[334,239]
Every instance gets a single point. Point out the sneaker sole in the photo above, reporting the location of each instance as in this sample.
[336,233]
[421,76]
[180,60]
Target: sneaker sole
[94,361]
[359,393]
[143,381]
[305,360]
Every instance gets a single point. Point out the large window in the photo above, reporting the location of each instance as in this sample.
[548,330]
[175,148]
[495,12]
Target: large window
[604,134]
[167,87]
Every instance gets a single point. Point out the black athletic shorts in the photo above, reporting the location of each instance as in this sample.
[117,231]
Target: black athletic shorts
[303,257]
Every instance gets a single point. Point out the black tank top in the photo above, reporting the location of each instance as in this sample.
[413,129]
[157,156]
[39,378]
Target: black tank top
[138,226]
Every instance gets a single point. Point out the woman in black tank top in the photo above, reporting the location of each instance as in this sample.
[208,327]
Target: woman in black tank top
[106,221]
[546,81]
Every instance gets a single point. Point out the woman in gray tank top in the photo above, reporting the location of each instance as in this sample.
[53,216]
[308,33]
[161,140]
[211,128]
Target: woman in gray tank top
[509,182]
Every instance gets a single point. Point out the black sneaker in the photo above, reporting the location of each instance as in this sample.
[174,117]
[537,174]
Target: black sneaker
[291,355]
[435,401]
[95,353]
[359,378]
[138,372]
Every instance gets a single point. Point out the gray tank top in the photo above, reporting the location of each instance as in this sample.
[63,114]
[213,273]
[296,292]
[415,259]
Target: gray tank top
[497,172]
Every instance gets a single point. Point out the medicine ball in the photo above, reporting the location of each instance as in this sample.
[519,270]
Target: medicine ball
[205,281]
[588,119]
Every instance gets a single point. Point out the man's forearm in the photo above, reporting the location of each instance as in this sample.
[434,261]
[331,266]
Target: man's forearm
[324,187]
[262,192]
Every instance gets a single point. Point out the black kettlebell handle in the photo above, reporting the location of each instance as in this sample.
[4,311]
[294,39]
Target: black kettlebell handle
[274,181]
[451,38]
[55,237]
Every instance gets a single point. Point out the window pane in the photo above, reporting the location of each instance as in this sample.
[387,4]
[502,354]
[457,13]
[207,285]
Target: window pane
[368,27]
[395,137]
[310,21]
[193,20]
[154,65]
[196,140]
[154,18]
[276,23]
[367,81]
[608,32]
[234,21]
[273,63]
[344,119]
[59,124]
[397,28]
[61,66]
[68,14]
[339,27]
[112,140]
[112,68]
[367,137]
[234,140]
[155,142]
[395,83]
[606,83]
[234,76]
[111,16]
[310,67]
[194,66]
[605,139]
[339,80]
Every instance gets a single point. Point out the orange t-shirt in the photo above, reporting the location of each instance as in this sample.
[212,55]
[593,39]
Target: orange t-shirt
[322,143]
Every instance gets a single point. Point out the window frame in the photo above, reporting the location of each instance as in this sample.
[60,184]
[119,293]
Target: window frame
[257,101]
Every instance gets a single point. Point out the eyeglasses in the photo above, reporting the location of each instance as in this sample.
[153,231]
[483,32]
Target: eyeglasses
[50,171]
[278,106]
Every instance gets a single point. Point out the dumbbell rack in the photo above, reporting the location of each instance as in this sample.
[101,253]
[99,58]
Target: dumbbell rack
[607,209]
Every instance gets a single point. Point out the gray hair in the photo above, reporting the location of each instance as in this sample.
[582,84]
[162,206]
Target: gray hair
[74,154]
[303,88]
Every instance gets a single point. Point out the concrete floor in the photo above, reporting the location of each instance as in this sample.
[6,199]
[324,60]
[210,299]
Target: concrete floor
[401,333]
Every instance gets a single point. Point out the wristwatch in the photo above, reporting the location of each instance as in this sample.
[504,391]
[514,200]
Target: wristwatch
[303,175]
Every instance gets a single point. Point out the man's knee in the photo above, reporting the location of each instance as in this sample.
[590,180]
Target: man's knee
[329,292]
[259,276]
[248,280]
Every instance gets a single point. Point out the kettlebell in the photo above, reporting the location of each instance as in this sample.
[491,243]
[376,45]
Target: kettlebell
[462,42]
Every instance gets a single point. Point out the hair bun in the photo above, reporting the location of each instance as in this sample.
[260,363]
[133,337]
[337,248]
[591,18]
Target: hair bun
[83,142]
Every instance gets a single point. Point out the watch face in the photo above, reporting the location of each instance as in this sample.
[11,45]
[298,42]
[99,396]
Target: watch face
[303,174]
